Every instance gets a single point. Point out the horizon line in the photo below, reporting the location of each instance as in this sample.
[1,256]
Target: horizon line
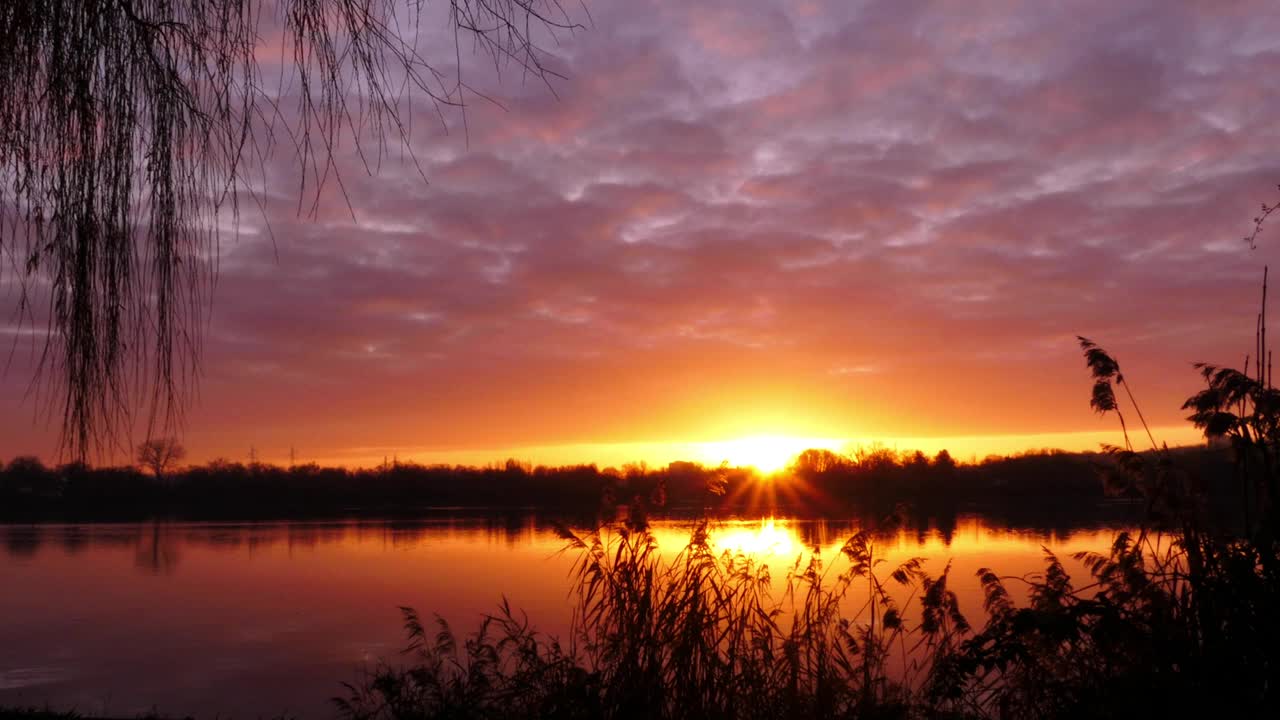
[966,449]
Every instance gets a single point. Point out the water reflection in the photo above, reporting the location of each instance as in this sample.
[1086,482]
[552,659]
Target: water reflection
[765,538]
[122,618]
[157,550]
[158,545]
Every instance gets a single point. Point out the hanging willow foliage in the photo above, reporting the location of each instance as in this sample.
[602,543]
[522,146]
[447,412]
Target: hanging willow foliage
[129,129]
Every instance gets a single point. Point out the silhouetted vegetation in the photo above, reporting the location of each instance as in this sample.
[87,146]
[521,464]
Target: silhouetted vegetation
[159,454]
[820,482]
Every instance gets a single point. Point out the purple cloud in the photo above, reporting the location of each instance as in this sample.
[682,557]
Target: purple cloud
[892,217]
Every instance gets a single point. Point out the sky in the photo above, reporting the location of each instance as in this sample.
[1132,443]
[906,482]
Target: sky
[748,223]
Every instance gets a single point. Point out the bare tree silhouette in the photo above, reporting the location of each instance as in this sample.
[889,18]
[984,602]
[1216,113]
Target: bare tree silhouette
[129,132]
[159,454]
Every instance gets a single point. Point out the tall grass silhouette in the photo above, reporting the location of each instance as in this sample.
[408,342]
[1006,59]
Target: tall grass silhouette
[694,634]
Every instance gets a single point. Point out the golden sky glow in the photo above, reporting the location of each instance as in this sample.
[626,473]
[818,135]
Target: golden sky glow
[766,453]
[730,232]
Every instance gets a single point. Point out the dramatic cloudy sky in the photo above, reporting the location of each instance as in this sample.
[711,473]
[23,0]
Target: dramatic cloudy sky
[835,219]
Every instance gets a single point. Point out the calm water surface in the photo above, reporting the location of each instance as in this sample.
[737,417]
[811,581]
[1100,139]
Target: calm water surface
[262,619]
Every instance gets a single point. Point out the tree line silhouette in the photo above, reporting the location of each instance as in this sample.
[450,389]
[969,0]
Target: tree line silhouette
[818,482]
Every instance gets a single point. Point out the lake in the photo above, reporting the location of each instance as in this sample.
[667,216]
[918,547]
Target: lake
[261,619]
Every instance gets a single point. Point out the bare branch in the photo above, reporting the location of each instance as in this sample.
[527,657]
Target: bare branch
[129,131]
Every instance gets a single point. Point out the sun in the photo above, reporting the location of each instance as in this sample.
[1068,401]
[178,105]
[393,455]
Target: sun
[766,453]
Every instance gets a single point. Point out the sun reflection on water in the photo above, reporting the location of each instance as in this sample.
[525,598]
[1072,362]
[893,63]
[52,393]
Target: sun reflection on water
[765,537]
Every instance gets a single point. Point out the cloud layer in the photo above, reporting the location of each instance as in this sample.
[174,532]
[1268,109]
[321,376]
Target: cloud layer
[841,219]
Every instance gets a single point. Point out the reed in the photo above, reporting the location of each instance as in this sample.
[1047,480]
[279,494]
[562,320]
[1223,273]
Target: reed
[694,634]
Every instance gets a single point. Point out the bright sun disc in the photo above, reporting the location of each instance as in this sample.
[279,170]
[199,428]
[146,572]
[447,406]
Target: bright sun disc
[766,453]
